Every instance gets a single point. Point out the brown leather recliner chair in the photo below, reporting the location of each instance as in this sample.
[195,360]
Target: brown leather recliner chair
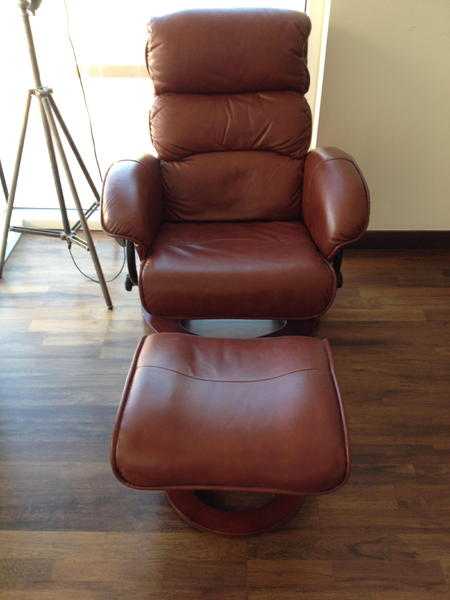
[234,218]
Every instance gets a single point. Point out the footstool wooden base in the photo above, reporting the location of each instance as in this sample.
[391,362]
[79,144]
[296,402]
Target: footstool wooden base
[261,415]
[248,521]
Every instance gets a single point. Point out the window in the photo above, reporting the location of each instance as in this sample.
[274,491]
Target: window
[109,38]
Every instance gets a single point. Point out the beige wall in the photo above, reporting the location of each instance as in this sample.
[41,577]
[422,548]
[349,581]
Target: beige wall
[386,100]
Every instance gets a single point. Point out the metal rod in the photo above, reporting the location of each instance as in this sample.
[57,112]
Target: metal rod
[54,165]
[40,208]
[31,48]
[47,107]
[15,178]
[37,231]
[87,213]
[74,148]
[3,182]
[77,240]
[25,229]
[48,138]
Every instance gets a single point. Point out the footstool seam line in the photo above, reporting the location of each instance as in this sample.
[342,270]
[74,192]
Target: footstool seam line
[121,411]
[327,348]
[227,488]
[227,380]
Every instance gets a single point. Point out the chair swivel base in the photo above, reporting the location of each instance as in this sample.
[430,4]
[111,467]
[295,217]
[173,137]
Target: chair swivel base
[230,328]
[248,521]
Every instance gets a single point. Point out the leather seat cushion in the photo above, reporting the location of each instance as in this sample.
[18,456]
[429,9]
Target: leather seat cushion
[252,415]
[236,270]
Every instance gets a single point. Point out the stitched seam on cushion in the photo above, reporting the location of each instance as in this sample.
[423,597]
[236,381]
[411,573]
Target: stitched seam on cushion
[295,155]
[289,155]
[327,160]
[366,191]
[102,202]
[142,293]
[323,162]
[133,239]
[220,487]
[121,410]
[141,285]
[344,429]
[226,380]
[365,225]
[231,93]
[333,277]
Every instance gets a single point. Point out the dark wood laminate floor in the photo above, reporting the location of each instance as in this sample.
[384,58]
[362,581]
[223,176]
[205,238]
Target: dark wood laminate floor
[68,530]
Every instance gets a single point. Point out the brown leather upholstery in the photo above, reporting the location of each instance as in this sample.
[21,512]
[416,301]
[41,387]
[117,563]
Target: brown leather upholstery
[228,155]
[182,124]
[133,209]
[335,200]
[232,186]
[228,51]
[232,129]
[207,270]
[253,415]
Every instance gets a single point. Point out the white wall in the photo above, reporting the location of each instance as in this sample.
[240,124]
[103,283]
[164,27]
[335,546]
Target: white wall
[386,100]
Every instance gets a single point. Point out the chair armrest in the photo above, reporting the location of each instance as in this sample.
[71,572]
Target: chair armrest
[132,200]
[335,200]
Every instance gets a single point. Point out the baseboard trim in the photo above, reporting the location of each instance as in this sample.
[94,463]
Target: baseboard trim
[404,240]
[51,218]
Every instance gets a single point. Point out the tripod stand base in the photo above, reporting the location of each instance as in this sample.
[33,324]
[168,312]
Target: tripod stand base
[50,115]
[69,233]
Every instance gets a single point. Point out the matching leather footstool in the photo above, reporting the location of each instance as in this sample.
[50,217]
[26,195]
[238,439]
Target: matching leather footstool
[260,415]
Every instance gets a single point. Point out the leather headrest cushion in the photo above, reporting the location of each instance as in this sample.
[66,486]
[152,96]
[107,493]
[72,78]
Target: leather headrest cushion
[229,51]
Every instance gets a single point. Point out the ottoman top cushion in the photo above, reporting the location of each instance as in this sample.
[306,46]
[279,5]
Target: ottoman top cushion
[251,415]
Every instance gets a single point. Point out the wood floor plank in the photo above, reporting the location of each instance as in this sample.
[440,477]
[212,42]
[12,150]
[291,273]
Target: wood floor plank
[110,545]
[307,575]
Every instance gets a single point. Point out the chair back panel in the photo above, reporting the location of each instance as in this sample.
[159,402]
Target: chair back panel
[230,122]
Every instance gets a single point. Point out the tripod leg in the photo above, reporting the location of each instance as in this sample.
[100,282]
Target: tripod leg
[54,165]
[73,147]
[15,179]
[48,111]
[3,182]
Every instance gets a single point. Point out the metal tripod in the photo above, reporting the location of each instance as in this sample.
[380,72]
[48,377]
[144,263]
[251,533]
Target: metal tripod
[51,115]
[3,182]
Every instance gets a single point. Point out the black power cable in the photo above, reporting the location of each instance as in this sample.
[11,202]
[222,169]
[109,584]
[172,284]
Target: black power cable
[94,146]
[80,79]
[87,276]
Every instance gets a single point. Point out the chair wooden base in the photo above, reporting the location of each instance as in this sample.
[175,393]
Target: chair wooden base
[247,521]
[230,328]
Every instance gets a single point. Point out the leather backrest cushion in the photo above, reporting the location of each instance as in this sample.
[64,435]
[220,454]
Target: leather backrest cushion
[228,51]
[229,121]
[183,124]
[232,186]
